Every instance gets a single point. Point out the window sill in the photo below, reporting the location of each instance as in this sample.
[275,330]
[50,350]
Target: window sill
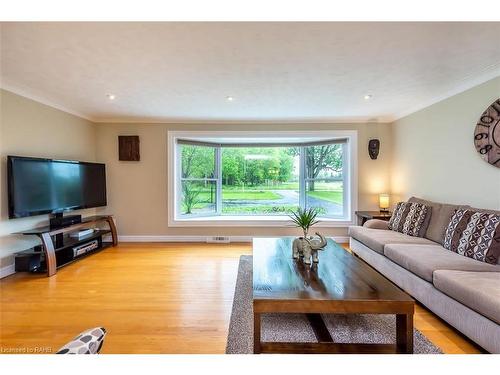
[252,221]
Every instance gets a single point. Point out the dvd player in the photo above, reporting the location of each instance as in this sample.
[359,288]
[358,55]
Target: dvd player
[85,248]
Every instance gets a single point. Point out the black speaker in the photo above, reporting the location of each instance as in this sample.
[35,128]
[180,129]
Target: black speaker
[373,148]
[64,221]
[27,261]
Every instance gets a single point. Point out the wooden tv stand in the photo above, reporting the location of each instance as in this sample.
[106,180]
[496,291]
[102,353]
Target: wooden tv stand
[50,248]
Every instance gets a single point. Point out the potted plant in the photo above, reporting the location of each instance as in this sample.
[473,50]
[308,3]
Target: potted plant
[305,246]
[304,218]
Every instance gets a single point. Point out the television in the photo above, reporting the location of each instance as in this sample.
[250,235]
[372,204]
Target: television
[47,186]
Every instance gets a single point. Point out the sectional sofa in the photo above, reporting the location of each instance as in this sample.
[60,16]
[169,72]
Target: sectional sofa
[462,291]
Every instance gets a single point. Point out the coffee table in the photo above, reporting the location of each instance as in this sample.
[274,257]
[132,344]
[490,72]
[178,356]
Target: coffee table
[339,284]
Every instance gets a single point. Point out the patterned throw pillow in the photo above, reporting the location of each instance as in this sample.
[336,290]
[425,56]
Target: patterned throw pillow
[408,218]
[474,234]
[88,342]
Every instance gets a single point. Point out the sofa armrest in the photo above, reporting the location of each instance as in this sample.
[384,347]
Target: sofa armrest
[377,224]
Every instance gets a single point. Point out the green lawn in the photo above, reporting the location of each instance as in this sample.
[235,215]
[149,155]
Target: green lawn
[333,185]
[333,196]
[327,191]
[283,186]
[259,209]
[264,210]
[208,196]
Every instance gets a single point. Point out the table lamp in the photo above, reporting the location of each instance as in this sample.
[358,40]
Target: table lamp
[383,200]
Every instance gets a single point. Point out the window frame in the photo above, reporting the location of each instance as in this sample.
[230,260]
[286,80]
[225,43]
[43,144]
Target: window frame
[304,180]
[350,192]
[217,179]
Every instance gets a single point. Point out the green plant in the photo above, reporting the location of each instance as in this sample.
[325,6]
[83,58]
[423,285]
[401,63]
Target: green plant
[304,218]
[190,197]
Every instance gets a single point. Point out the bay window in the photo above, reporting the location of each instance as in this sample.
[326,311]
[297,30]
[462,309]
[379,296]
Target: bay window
[235,177]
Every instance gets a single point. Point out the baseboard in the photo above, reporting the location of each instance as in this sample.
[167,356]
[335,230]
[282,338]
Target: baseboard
[7,270]
[177,238]
[340,239]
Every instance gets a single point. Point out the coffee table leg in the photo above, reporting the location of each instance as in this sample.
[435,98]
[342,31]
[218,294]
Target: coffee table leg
[318,325]
[256,333]
[404,333]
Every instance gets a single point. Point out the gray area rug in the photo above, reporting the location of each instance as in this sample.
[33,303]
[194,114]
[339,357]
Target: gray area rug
[295,327]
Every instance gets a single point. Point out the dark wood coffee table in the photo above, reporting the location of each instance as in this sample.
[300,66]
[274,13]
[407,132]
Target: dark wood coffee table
[340,283]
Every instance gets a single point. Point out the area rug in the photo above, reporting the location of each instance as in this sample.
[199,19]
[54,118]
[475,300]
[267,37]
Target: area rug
[359,328]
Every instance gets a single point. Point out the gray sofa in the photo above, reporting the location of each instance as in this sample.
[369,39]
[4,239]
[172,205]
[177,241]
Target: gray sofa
[462,291]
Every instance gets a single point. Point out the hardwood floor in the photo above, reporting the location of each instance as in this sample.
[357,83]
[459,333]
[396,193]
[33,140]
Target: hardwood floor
[151,298]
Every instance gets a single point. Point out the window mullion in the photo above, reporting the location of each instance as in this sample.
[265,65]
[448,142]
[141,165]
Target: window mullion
[178,180]
[346,178]
[302,178]
[218,184]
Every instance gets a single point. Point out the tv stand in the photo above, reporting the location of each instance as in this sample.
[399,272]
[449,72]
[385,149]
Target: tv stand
[48,235]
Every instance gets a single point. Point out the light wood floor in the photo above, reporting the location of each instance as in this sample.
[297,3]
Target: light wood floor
[152,298]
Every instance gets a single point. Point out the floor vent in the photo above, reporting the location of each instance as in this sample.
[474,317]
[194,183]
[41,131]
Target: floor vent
[218,239]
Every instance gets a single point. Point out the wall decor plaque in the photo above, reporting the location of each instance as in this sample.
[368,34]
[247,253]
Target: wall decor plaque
[128,148]
[487,134]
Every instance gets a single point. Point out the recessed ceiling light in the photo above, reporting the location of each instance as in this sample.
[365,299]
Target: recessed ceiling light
[368,96]
[111,96]
[229,98]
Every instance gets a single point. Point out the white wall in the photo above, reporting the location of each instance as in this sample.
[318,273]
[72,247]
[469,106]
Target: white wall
[28,128]
[434,155]
[138,190]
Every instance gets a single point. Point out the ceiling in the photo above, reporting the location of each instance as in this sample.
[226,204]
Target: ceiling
[290,72]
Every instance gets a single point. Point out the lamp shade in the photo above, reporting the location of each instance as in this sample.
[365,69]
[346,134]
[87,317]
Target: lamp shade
[383,200]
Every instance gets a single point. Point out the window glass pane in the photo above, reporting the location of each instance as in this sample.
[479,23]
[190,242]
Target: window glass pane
[327,196]
[197,161]
[324,161]
[324,178]
[260,180]
[198,198]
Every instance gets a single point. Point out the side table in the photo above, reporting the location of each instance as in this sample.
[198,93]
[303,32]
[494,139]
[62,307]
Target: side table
[364,216]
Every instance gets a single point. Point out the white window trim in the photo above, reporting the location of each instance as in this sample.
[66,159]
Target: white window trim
[351,156]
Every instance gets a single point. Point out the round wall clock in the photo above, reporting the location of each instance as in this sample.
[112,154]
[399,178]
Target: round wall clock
[487,134]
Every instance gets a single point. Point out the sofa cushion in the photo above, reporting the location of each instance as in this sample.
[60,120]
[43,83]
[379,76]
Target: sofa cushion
[430,205]
[408,218]
[485,210]
[376,239]
[439,218]
[423,260]
[479,291]
[376,224]
[489,212]
[475,235]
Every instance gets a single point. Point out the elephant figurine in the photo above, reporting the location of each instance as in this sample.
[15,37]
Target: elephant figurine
[297,247]
[308,248]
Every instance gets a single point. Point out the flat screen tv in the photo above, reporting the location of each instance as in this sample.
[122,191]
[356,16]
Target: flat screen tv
[47,186]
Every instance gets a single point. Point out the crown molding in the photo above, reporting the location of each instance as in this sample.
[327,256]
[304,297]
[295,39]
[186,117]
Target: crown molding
[271,121]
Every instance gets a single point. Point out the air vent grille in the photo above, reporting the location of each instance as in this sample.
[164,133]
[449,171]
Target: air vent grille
[218,239]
